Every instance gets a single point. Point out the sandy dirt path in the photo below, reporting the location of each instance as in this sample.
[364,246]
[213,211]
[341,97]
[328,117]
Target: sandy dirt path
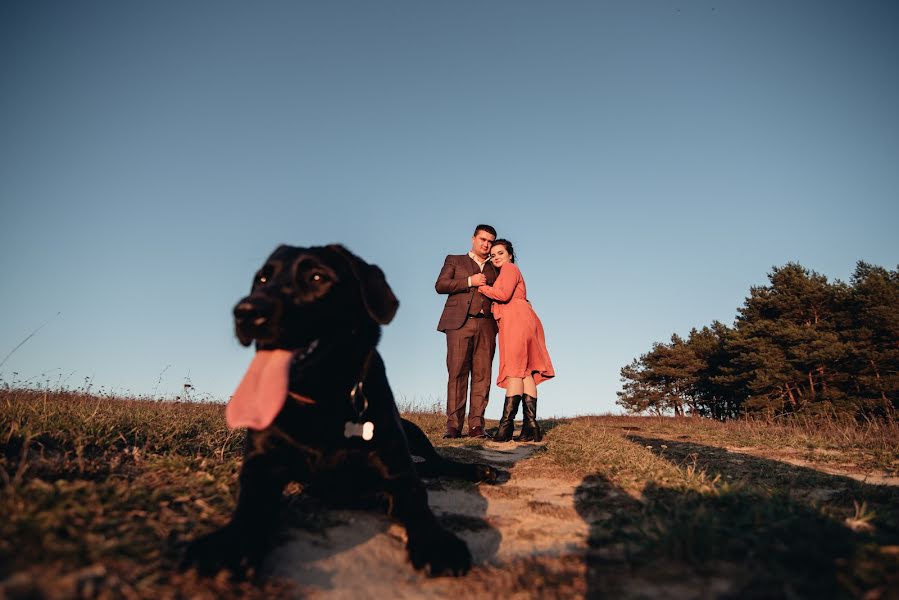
[794,457]
[365,557]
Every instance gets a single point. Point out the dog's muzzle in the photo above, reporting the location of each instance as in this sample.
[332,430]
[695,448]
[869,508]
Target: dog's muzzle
[254,319]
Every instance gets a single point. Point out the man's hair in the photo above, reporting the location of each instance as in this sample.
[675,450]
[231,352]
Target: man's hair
[486,228]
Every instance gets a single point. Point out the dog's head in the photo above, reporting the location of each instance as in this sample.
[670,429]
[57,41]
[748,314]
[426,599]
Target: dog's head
[301,299]
[302,294]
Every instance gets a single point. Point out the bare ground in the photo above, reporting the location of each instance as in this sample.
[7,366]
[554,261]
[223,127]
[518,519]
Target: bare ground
[365,557]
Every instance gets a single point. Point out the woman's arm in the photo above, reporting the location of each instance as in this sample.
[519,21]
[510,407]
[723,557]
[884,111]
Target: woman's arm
[504,286]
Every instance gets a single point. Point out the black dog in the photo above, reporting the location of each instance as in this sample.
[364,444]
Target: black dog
[320,411]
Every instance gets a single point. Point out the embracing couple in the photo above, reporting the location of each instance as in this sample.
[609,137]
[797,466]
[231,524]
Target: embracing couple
[486,294]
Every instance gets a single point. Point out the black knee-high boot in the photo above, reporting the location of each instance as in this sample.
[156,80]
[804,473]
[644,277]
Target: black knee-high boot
[530,429]
[507,422]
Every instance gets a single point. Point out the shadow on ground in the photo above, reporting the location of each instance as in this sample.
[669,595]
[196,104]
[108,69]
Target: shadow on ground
[362,553]
[739,526]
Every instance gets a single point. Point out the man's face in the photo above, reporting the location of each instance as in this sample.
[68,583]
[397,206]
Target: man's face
[481,242]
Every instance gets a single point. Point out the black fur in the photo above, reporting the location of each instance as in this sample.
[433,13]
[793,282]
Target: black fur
[329,299]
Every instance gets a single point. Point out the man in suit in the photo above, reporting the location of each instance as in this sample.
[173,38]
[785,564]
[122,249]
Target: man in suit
[470,332]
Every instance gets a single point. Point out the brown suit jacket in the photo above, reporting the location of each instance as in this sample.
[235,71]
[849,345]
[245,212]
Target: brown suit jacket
[453,280]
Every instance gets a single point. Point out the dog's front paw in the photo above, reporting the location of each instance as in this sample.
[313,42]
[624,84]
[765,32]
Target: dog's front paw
[217,551]
[441,551]
[485,474]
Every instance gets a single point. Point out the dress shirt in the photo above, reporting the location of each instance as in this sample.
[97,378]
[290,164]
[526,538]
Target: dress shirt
[478,260]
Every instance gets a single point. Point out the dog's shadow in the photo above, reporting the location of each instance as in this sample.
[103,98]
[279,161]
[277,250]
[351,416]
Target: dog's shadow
[328,548]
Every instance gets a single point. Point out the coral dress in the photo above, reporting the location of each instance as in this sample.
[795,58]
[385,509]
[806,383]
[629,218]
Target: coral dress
[522,346]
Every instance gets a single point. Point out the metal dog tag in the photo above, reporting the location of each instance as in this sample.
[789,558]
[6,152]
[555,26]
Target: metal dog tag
[364,430]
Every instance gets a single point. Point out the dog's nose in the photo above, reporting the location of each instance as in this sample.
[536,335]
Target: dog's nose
[251,312]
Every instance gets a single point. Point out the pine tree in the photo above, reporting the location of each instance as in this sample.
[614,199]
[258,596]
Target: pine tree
[786,348]
[872,326]
[638,395]
[798,344]
[714,395]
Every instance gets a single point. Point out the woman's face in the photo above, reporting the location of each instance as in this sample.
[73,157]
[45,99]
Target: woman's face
[499,255]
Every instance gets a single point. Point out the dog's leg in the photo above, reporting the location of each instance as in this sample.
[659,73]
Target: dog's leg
[429,544]
[435,465]
[244,541]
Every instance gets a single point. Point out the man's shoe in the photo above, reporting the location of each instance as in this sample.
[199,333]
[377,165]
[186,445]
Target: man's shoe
[451,433]
[476,432]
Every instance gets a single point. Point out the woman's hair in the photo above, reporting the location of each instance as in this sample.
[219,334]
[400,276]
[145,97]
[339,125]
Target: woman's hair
[508,246]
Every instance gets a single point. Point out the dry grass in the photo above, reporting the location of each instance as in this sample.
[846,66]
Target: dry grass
[100,494]
[869,445]
[766,527]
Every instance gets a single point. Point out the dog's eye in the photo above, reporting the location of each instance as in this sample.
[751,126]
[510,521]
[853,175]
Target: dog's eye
[264,275]
[317,278]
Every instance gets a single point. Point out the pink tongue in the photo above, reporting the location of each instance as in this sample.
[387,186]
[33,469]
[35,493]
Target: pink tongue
[261,393]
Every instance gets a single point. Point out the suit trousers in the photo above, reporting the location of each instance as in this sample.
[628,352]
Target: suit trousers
[469,351]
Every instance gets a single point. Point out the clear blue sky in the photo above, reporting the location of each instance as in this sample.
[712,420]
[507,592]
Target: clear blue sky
[650,161]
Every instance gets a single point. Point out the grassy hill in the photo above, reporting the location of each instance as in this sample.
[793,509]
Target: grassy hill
[99,495]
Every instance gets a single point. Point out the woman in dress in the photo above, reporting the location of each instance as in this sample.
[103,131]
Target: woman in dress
[523,359]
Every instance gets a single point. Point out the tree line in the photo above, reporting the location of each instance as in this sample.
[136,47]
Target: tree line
[799,344]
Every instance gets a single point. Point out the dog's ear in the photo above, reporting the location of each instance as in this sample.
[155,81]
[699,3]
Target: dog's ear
[376,294]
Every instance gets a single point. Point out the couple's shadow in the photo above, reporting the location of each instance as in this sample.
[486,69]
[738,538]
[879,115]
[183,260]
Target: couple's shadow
[738,526]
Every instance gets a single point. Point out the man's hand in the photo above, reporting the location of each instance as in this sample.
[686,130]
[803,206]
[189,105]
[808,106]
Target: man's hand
[479,279]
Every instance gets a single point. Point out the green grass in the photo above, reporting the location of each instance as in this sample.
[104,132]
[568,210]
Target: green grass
[100,494]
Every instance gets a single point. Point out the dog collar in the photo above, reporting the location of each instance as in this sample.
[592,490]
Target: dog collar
[359,427]
[301,399]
